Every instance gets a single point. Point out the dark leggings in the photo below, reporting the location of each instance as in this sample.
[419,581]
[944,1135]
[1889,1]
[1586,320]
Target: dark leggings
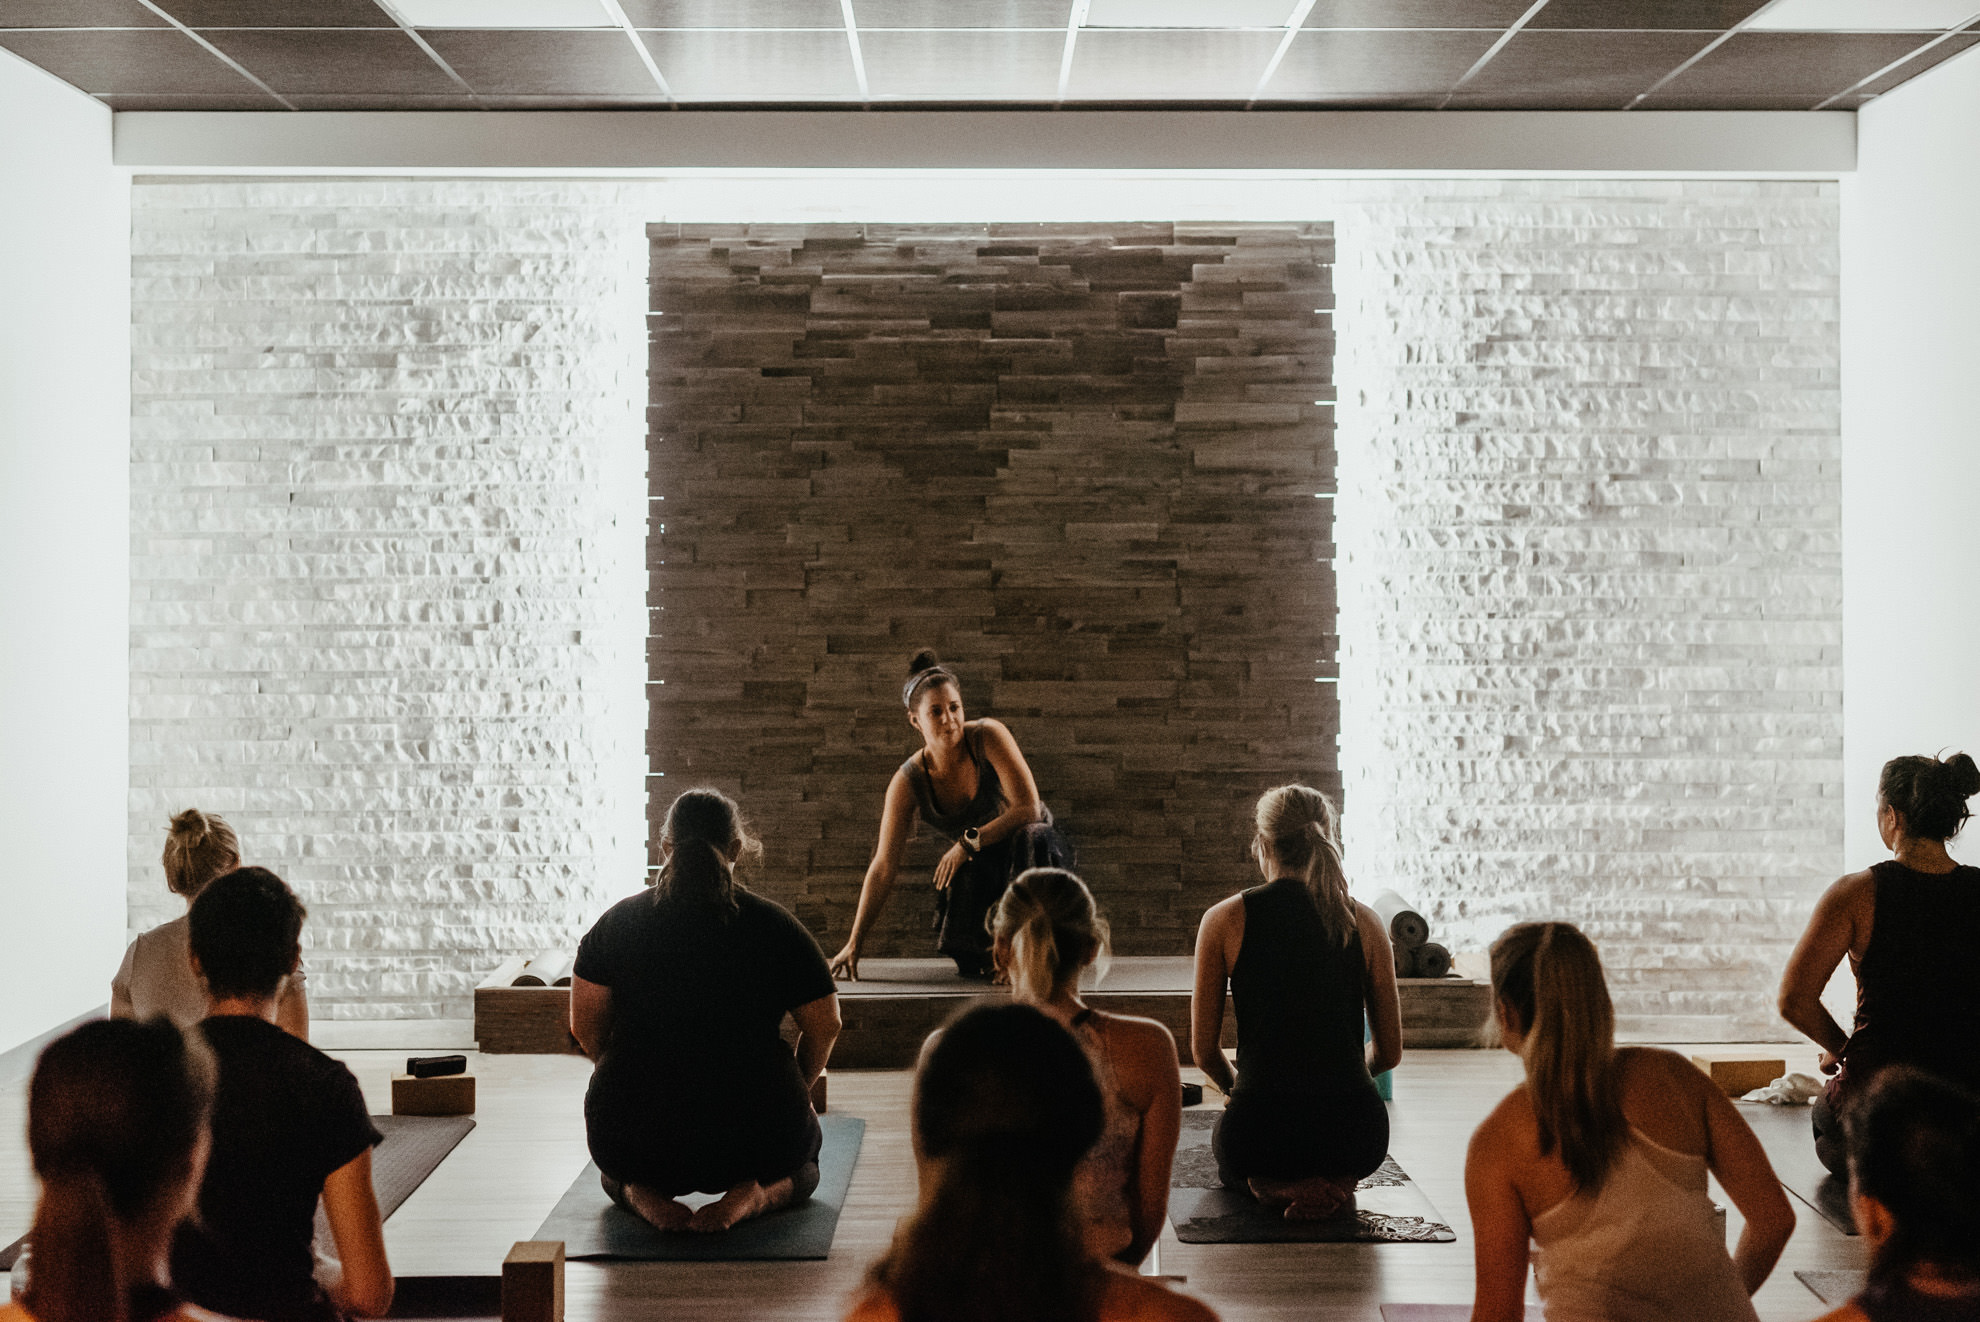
[1824,1117]
[672,1156]
[1344,1135]
[962,910]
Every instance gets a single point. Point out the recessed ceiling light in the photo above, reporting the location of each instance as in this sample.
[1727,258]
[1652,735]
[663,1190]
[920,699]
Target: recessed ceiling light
[1863,16]
[502,13]
[1189,13]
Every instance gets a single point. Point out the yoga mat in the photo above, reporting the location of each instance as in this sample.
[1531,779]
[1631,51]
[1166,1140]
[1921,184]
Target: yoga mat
[1790,1144]
[591,1226]
[1389,1208]
[1407,927]
[11,1252]
[1438,1313]
[414,1147]
[1834,1288]
[465,1298]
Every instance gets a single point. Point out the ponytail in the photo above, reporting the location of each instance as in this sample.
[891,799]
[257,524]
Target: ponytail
[703,828]
[1550,977]
[1302,827]
[74,1271]
[1053,928]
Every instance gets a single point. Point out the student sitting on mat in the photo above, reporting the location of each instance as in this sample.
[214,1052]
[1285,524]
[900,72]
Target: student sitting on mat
[679,994]
[1908,926]
[1045,932]
[289,1126]
[117,1131]
[1914,1187]
[156,976]
[1005,1107]
[1600,1158]
[1304,963]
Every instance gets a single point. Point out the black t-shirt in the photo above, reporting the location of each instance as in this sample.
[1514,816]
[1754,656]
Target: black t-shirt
[700,994]
[284,1117]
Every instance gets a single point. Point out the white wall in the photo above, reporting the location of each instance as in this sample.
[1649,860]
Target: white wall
[1911,438]
[64,550]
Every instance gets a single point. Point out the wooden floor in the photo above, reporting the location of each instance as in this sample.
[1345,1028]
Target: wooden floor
[529,1145]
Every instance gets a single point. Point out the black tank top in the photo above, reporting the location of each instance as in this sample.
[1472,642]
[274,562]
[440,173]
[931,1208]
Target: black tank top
[986,805]
[1888,1301]
[1298,997]
[1917,1001]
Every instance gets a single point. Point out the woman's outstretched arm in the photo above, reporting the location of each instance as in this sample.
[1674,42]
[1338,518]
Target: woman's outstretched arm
[1150,1055]
[1831,935]
[1500,1226]
[896,816]
[1744,1172]
[1384,1002]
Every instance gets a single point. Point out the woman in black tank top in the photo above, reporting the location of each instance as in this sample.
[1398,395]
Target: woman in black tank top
[1303,963]
[970,782]
[1906,925]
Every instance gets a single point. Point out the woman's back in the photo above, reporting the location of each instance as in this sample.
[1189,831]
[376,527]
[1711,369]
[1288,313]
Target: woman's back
[1298,995]
[1916,1004]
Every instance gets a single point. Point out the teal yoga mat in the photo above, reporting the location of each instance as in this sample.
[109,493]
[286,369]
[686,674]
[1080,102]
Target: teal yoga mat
[592,1226]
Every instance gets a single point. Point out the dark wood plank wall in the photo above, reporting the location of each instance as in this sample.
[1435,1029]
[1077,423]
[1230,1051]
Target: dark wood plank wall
[1080,461]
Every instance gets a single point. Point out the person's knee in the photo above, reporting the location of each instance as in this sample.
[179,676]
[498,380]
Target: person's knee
[804,1182]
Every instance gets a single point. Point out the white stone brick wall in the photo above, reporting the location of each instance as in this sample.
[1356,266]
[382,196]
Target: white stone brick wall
[388,504]
[1591,572]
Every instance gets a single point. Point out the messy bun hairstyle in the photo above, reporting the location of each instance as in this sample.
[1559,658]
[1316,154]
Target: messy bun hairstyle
[199,846]
[1054,929]
[924,669]
[702,827]
[1303,828]
[1930,794]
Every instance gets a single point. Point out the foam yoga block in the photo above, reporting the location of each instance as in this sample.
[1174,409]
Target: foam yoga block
[533,1282]
[1737,1074]
[446,1094]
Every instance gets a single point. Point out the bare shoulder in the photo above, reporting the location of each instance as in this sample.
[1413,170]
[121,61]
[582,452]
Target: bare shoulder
[995,730]
[1370,923]
[1140,1038]
[1134,1298]
[1850,890]
[873,1306]
[1659,1065]
[1509,1131]
[1223,913]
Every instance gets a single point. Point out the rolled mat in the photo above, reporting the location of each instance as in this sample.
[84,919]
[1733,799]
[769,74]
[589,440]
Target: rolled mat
[1432,960]
[592,1226]
[1406,926]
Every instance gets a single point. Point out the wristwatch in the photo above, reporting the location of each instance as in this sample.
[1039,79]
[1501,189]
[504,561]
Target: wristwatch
[971,841]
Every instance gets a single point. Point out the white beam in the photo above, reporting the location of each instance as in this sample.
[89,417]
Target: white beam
[1733,142]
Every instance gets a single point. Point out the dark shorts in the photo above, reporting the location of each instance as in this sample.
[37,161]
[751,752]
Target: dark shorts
[1342,1135]
[700,1147]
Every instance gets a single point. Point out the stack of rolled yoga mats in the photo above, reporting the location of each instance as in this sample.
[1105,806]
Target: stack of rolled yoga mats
[1417,956]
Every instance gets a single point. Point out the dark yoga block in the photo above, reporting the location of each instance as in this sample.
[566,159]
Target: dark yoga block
[533,1282]
[445,1094]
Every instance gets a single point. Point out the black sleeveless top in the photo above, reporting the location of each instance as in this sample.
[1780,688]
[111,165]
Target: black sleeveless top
[985,806]
[1299,998]
[1917,1002]
[1896,1301]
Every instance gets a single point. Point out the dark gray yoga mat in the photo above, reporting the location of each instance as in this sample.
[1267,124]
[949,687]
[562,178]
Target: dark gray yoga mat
[1834,1288]
[1789,1141]
[413,1149]
[591,1226]
[1389,1208]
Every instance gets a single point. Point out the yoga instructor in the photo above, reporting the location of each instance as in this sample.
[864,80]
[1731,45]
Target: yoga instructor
[970,782]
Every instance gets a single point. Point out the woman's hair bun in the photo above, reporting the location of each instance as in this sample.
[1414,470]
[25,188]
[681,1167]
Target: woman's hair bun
[1962,775]
[192,822]
[925,659]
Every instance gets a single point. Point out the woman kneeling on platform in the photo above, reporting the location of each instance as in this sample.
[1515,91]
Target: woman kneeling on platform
[1005,1107]
[1600,1158]
[1304,963]
[971,783]
[1909,926]
[1914,1189]
[679,995]
[1046,932]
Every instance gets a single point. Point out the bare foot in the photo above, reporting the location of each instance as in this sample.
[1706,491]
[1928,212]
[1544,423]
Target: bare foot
[658,1212]
[1297,1211]
[1313,1199]
[739,1204]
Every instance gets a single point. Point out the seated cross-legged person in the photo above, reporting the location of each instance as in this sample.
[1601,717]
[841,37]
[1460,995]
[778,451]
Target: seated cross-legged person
[679,994]
[1005,1106]
[289,1127]
[1914,1186]
[156,976]
[1600,1158]
[1304,963]
[117,1133]
[1906,925]
[1046,931]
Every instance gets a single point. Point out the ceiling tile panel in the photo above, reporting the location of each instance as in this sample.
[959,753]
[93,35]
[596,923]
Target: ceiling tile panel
[255,100]
[157,60]
[377,102]
[545,63]
[1115,65]
[1039,14]
[1911,68]
[1495,14]
[1799,67]
[1712,15]
[755,66]
[963,66]
[734,13]
[1556,70]
[1375,66]
[278,13]
[77,14]
[326,62]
